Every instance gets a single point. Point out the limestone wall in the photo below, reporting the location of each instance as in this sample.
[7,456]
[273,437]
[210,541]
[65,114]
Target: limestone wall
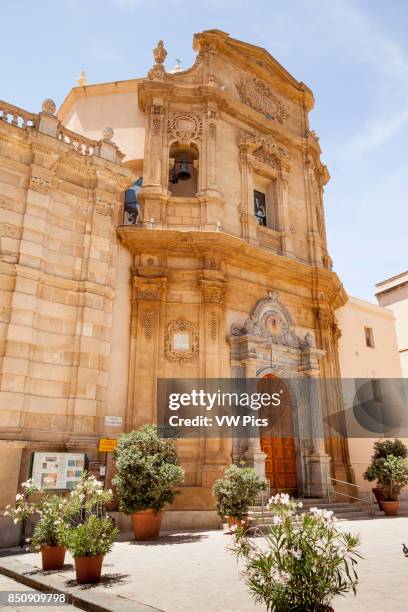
[60,198]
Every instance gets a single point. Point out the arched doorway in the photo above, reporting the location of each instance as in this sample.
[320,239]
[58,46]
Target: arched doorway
[277,440]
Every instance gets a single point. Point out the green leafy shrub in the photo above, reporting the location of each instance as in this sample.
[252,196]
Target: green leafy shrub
[86,531]
[391,474]
[237,491]
[51,508]
[148,470]
[301,564]
[93,537]
[383,448]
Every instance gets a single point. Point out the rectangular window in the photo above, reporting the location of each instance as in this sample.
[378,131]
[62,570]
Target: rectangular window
[260,207]
[369,337]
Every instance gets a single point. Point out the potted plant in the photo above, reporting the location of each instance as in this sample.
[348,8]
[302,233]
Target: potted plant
[301,564]
[383,448]
[236,492]
[391,474]
[88,543]
[52,510]
[87,532]
[147,471]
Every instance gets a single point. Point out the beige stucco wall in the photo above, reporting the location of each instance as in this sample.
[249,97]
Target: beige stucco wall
[393,293]
[95,107]
[359,361]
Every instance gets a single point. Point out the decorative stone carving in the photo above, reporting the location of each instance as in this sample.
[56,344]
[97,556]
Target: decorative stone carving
[150,289]
[48,106]
[10,231]
[159,53]
[181,333]
[213,293]
[185,127]
[39,184]
[212,325]
[259,96]
[267,158]
[158,71]
[271,319]
[265,149]
[103,208]
[148,323]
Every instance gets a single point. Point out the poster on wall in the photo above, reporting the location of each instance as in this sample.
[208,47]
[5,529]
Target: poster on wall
[57,470]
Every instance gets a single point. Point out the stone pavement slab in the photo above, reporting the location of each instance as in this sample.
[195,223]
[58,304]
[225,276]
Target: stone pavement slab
[194,572]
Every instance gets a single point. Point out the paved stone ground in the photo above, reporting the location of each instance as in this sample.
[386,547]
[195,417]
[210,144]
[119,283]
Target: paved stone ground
[8,584]
[186,572]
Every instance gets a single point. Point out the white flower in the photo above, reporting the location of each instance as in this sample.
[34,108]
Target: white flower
[6,513]
[326,516]
[300,504]
[277,520]
[280,577]
[296,553]
[19,496]
[15,521]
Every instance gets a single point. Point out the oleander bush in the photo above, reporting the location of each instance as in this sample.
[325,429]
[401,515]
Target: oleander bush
[302,563]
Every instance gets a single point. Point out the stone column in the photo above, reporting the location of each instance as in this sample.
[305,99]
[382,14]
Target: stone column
[155,169]
[254,455]
[288,230]
[317,461]
[217,452]
[147,317]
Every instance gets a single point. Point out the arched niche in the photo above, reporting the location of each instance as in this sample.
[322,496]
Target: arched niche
[183,161]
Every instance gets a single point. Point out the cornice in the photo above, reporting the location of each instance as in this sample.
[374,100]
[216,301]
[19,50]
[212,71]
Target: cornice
[233,250]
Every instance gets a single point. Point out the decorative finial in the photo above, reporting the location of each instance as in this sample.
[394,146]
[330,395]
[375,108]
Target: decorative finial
[107,133]
[48,106]
[159,53]
[82,80]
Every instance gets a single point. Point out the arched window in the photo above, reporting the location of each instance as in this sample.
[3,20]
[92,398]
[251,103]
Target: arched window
[131,208]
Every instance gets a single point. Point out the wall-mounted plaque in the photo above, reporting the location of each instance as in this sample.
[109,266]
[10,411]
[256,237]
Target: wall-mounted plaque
[181,340]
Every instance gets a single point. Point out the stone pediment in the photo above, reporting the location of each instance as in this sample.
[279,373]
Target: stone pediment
[271,320]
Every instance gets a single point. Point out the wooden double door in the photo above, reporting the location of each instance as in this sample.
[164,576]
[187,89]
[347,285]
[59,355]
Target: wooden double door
[277,440]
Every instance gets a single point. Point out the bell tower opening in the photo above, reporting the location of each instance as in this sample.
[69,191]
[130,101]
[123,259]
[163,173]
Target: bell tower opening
[277,440]
[183,171]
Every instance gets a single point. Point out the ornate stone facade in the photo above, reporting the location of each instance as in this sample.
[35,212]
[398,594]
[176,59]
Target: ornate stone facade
[92,306]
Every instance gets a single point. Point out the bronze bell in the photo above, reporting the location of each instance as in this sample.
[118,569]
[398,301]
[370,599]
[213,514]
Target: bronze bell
[184,173]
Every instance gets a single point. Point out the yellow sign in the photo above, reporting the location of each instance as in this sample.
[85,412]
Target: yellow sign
[107,445]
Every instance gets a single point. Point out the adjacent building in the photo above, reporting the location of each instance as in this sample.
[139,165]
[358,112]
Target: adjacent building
[392,293]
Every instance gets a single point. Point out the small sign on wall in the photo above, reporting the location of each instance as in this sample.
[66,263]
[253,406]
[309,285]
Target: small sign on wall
[113,421]
[107,445]
[181,341]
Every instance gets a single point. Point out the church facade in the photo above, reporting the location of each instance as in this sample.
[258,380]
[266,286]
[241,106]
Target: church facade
[186,204]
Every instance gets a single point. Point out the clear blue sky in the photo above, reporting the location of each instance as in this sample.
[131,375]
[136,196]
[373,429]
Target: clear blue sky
[352,53]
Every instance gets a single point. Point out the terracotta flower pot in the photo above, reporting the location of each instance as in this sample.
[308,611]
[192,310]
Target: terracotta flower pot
[390,507]
[88,569]
[378,494]
[53,557]
[232,522]
[146,524]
